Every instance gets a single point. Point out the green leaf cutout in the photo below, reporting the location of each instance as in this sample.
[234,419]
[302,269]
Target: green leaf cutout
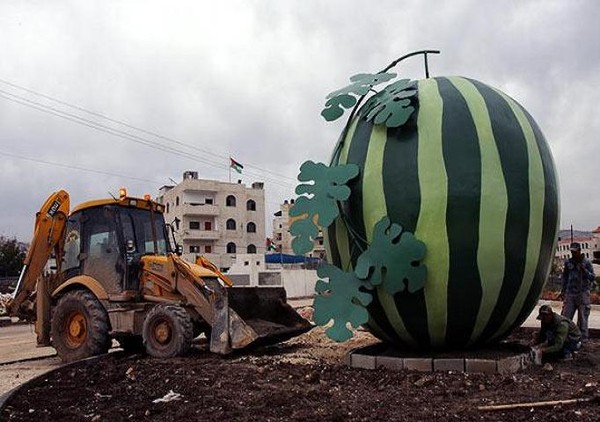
[345,98]
[321,208]
[393,105]
[334,107]
[340,300]
[393,259]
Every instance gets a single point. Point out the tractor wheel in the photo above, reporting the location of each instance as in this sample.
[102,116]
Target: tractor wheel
[168,331]
[80,326]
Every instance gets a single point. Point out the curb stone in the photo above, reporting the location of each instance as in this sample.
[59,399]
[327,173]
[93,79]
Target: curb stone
[379,356]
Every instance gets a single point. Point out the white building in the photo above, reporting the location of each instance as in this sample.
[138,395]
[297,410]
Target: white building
[216,219]
[590,245]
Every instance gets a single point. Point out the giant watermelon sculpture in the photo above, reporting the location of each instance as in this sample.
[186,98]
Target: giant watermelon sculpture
[439,209]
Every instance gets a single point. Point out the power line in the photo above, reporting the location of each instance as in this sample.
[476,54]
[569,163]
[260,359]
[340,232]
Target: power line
[118,133]
[123,123]
[89,170]
[68,166]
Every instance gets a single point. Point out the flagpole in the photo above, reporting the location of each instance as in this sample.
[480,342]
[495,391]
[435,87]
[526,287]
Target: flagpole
[230,170]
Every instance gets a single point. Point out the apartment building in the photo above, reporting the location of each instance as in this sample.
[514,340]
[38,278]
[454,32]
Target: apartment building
[590,244]
[216,219]
[282,238]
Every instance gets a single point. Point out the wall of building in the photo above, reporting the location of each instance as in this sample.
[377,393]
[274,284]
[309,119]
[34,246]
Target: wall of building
[250,270]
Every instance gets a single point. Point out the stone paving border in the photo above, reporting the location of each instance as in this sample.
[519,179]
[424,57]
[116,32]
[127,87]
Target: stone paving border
[380,356]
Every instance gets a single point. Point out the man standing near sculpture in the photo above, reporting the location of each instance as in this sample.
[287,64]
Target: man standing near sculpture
[577,279]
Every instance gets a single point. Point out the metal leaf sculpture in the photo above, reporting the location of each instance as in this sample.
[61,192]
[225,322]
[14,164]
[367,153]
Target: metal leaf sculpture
[321,208]
[393,105]
[340,300]
[346,97]
[393,259]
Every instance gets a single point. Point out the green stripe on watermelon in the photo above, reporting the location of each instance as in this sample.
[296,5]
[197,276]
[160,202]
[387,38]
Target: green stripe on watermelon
[353,210]
[359,129]
[536,218]
[373,204]
[512,149]
[431,225]
[401,177]
[460,146]
[331,247]
[401,192]
[493,207]
[374,209]
[550,223]
[336,242]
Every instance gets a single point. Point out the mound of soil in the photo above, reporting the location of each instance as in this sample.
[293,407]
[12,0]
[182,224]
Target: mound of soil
[305,378]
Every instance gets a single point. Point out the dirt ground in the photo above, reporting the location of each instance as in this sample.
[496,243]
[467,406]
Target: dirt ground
[305,378]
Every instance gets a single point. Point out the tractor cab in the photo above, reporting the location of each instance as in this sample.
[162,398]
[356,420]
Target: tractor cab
[105,240]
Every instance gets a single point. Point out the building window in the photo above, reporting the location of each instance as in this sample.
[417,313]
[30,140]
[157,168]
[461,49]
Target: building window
[177,201]
[230,224]
[231,247]
[207,226]
[208,249]
[251,249]
[194,249]
[208,201]
[251,227]
[251,205]
[167,207]
[194,225]
[230,201]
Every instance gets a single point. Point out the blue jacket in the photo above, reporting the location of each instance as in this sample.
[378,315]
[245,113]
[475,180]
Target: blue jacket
[577,277]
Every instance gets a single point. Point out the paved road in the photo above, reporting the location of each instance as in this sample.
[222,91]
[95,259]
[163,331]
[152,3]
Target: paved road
[17,342]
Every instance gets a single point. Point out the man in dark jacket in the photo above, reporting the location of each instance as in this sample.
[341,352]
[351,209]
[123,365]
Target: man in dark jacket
[558,336]
[577,280]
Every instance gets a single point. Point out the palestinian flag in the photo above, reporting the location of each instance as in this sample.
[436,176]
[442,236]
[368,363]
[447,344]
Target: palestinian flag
[270,245]
[235,165]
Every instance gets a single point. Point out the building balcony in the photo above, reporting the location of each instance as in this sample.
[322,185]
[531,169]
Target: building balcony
[200,209]
[200,235]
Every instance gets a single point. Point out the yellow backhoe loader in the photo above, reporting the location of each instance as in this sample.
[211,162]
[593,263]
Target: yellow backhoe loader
[118,276]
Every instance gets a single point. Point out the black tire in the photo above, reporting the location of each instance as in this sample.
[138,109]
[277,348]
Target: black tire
[132,344]
[168,331]
[79,326]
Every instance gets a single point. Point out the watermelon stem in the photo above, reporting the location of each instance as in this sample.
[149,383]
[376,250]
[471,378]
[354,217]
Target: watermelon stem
[406,56]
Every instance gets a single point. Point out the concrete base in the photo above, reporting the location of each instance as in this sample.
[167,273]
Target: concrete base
[382,356]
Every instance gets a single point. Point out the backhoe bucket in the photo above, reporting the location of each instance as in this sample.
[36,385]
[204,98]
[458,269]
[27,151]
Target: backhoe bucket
[265,310]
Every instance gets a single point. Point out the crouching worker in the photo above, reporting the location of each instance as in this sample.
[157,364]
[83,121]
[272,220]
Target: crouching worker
[558,337]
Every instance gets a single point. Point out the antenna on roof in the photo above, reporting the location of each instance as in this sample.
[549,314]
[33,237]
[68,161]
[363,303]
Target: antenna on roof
[571,233]
[113,197]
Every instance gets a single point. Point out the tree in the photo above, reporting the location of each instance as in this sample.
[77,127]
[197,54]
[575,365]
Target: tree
[11,257]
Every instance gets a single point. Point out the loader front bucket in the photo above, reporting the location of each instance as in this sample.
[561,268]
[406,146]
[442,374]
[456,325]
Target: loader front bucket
[266,311]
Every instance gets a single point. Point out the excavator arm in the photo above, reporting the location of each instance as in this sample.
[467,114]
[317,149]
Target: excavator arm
[48,235]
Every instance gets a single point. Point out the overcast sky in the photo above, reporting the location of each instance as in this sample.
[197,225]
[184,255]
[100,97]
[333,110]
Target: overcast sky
[95,95]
